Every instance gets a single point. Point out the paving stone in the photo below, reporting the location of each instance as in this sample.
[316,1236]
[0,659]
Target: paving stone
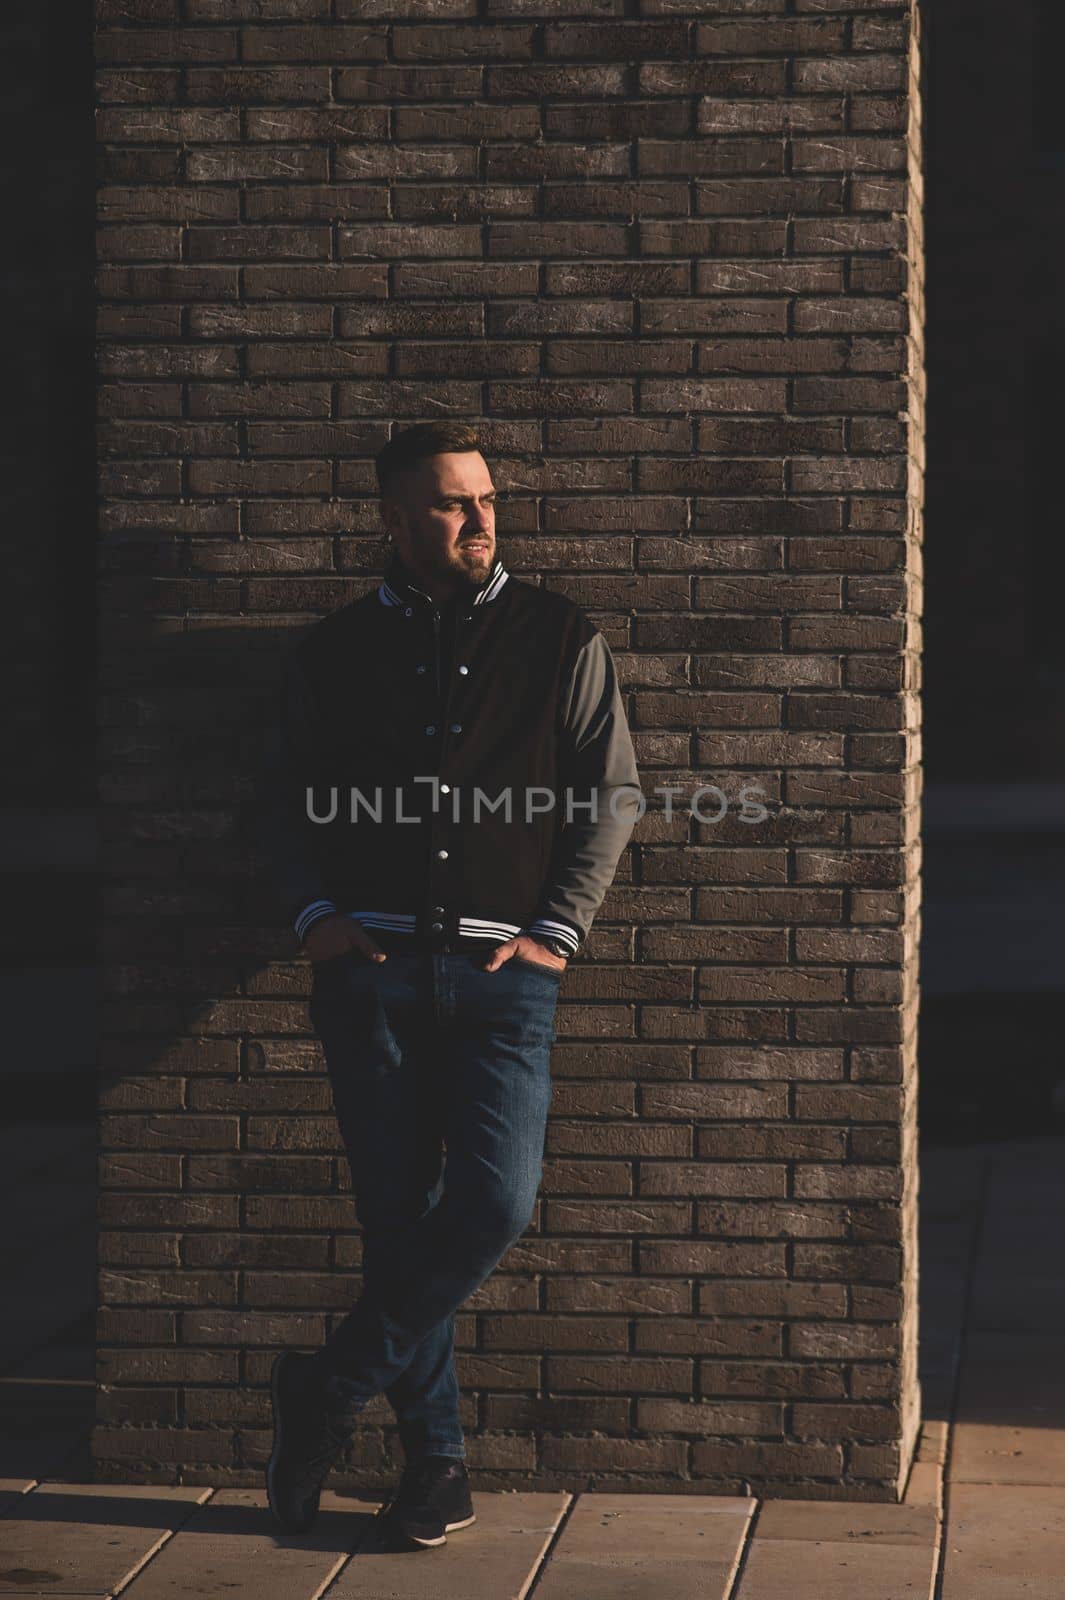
[630,1546]
[494,1559]
[841,1521]
[232,1547]
[924,1487]
[1007,1452]
[824,1569]
[933,1442]
[87,1538]
[1004,1543]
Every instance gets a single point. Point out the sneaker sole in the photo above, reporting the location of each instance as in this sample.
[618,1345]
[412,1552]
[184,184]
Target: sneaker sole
[426,1544]
[388,1532]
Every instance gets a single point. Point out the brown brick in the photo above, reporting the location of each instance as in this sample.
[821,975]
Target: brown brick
[247,10]
[256,85]
[564,1413]
[328,43]
[608,1374]
[626,1455]
[752,1418]
[773,1299]
[777,1142]
[714,1336]
[754,1460]
[154,46]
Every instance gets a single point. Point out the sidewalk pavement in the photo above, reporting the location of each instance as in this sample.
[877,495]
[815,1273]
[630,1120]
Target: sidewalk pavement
[983,1517]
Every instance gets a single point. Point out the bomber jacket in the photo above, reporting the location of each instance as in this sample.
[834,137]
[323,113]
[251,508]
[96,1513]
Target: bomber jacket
[397,713]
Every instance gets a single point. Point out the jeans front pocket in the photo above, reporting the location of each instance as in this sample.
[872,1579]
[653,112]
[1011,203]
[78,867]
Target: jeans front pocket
[539,966]
[348,1012]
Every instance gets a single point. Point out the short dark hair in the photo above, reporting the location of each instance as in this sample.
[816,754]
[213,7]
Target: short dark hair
[405,449]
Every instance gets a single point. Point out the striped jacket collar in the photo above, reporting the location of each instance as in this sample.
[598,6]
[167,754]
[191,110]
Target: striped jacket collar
[398,589]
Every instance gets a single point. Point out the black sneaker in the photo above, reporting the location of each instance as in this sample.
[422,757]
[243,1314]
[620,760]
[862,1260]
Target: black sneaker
[433,1499]
[309,1435]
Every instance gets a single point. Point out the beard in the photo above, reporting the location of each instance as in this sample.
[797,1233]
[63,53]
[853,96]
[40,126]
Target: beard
[462,568]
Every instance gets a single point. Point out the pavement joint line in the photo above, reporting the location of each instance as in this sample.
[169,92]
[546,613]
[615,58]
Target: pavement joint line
[532,1583]
[732,1592]
[939,1537]
[160,1544]
[27,1488]
[345,1558]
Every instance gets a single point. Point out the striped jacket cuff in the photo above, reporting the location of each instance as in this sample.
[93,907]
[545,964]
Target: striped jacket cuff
[310,915]
[550,927]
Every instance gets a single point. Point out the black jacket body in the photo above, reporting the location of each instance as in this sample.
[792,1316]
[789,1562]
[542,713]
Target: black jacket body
[406,725]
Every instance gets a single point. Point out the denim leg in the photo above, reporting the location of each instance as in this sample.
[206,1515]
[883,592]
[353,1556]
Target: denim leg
[396,1178]
[494,1033]
[425,1395]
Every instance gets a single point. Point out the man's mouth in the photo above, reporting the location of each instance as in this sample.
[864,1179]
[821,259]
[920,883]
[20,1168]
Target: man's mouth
[475,545]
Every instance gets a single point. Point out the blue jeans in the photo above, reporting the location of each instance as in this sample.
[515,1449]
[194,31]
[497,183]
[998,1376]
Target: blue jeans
[426,1049]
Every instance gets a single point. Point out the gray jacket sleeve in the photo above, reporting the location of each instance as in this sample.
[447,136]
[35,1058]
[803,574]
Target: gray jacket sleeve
[601,799]
[284,833]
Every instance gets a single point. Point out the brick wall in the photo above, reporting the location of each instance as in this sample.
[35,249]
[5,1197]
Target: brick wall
[671,260]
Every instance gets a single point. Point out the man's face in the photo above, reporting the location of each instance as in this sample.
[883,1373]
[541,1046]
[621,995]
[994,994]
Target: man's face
[442,520]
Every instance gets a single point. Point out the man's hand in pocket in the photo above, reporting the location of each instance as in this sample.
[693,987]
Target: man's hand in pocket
[529,949]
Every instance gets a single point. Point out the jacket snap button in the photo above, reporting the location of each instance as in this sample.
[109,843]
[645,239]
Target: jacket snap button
[464,670]
[441,855]
[419,669]
[445,788]
[431,728]
[409,612]
[438,911]
[456,727]
[438,927]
